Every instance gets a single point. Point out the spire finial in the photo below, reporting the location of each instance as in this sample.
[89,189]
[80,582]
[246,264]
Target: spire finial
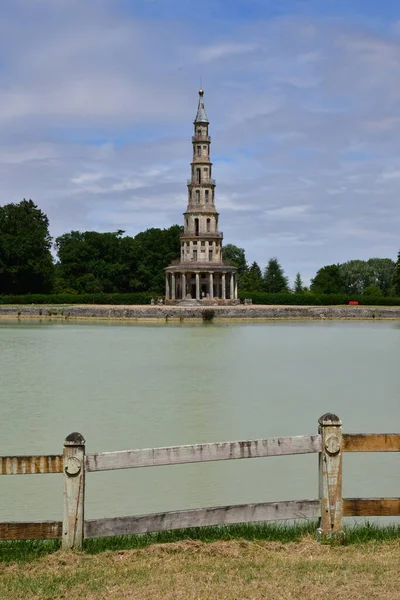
[201,116]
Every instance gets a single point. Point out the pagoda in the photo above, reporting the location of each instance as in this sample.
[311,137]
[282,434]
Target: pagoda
[201,274]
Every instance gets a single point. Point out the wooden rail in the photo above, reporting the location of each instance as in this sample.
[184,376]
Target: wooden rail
[371,442]
[177,455]
[330,508]
[200,517]
[41,530]
[30,465]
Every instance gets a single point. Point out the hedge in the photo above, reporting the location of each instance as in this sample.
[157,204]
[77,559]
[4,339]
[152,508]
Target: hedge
[134,298]
[257,298]
[317,299]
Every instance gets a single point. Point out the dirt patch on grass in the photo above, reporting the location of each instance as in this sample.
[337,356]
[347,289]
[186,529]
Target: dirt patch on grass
[194,570]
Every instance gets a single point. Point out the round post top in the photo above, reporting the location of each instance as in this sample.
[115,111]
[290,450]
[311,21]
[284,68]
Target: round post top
[329,419]
[74,439]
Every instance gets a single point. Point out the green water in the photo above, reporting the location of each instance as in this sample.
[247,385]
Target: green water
[129,386]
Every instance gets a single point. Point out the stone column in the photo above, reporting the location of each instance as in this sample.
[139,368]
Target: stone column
[197,286]
[223,287]
[183,286]
[211,286]
[236,290]
[167,286]
[173,286]
[231,287]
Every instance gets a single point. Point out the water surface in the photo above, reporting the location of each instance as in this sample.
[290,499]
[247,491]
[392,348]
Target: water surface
[129,386]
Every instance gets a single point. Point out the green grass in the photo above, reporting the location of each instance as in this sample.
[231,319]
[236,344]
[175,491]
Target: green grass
[29,550]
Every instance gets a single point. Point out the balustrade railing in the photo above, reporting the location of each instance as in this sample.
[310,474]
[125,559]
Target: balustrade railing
[201,138]
[203,180]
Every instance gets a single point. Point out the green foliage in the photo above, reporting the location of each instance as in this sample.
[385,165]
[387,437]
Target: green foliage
[298,287]
[26,264]
[236,256]
[274,277]
[252,279]
[154,250]
[93,263]
[383,270]
[356,276]
[132,298]
[328,280]
[208,315]
[308,298]
[285,532]
[372,290]
[396,276]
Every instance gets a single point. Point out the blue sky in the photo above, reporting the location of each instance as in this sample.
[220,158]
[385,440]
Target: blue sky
[98,97]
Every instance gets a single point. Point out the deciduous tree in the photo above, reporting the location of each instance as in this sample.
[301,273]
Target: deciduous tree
[26,263]
[328,280]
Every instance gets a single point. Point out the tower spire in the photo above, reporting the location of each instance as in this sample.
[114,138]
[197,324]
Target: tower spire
[201,274]
[201,116]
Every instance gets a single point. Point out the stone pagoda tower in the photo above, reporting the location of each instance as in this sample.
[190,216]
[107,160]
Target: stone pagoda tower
[201,274]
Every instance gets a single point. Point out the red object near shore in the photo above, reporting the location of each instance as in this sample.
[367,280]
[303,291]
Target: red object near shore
[353,302]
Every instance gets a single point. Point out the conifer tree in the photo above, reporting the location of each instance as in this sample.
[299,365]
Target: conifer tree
[274,277]
[298,287]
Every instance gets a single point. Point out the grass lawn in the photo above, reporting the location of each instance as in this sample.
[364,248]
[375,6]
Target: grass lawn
[232,563]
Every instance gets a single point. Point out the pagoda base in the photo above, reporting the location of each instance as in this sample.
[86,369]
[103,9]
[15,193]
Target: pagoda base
[205,283]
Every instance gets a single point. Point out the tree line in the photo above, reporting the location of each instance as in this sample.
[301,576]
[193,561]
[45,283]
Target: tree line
[95,263]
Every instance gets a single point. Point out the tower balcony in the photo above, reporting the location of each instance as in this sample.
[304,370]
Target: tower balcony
[201,138]
[202,234]
[203,181]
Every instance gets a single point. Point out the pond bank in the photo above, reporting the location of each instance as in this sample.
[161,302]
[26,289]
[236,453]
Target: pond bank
[183,313]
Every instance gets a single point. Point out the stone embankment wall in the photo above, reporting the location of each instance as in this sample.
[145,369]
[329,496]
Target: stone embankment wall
[165,313]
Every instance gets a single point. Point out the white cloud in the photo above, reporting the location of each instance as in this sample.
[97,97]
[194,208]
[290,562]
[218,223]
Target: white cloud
[288,211]
[224,50]
[96,118]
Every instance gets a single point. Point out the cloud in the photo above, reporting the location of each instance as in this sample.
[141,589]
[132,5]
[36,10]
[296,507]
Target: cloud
[224,50]
[288,211]
[97,103]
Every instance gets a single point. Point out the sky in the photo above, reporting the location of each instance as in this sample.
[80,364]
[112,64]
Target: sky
[97,101]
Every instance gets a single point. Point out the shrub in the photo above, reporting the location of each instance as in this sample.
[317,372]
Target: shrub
[133,298]
[309,299]
[208,315]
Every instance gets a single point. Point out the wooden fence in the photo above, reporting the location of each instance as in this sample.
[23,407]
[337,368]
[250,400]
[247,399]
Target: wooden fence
[329,508]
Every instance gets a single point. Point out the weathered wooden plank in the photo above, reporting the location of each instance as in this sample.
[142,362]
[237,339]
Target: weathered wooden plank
[74,491]
[41,530]
[330,475]
[371,507]
[30,465]
[174,455]
[371,442]
[201,517]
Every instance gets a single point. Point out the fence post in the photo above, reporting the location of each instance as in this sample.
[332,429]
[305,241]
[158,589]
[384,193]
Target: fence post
[330,476]
[74,491]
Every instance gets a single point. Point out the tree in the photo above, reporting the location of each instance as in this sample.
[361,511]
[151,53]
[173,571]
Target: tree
[298,287]
[396,277]
[384,270]
[109,262]
[328,280]
[26,263]
[92,262]
[236,256]
[252,279]
[274,277]
[372,290]
[154,250]
[356,275]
